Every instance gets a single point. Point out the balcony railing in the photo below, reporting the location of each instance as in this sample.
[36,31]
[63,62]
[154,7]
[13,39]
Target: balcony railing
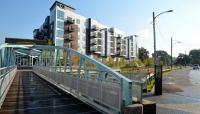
[112,38]
[119,36]
[96,49]
[68,37]
[69,20]
[94,28]
[94,34]
[118,47]
[96,41]
[69,29]
[118,41]
[112,44]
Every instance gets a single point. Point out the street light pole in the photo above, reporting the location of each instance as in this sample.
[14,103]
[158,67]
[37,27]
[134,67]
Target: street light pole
[154,39]
[185,58]
[154,32]
[157,70]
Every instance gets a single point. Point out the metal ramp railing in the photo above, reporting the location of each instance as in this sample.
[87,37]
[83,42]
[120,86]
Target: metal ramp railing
[7,70]
[85,78]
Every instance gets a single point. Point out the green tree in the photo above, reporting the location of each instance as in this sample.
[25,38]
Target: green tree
[143,54]
[163,57]
[195,56]
[183,59]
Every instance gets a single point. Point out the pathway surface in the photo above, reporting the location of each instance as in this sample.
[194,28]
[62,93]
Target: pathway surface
[31,95]
[181,93]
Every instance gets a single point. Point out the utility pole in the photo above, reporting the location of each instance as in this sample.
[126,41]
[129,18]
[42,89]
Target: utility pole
[157,69]
[154,39]
[185,58]
[171,53]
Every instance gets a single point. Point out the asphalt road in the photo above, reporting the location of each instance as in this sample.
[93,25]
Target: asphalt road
[181,93]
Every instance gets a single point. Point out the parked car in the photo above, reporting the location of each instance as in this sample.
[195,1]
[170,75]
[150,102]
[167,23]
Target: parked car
[195,66]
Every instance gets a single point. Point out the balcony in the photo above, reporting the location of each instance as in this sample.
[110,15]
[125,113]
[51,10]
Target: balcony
[119,36]
[98,49]
[94,34]
[95,49]
[112,38]
[68,37]
[69,20]
[112,44]
[95,41]
[92,49]
[112,51]
[123,47]
[94,28]
[118,41]
[118,47]
[118,53]
[69,29]
[124,42]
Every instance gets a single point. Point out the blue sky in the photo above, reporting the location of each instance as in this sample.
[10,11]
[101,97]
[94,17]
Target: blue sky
[20,17]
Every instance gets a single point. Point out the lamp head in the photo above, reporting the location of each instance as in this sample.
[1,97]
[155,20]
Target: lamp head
[170,11]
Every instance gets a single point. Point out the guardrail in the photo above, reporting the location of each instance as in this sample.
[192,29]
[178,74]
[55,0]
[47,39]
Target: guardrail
[7,75]
[85,78]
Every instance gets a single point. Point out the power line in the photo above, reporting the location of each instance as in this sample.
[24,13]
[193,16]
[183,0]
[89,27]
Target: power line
[187,43]
[161,34]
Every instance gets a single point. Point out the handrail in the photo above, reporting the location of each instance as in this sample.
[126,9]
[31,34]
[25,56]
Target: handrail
[3,68]
[6,81]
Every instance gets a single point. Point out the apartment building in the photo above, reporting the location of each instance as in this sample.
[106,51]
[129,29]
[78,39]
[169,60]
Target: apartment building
[42,32]
[67,28]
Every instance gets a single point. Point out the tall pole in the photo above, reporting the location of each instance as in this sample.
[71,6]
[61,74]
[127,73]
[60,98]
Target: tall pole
[185,58]
[157,70]
[171,53]
[154,38]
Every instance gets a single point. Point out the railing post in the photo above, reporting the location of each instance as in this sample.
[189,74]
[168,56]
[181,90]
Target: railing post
[127,92]
[80,67]
[65,60]
[69,60]
[51,57]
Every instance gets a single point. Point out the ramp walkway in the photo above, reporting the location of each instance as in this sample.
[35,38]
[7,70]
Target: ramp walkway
[30,94]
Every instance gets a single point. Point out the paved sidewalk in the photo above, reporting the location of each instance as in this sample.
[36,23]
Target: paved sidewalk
[181,93]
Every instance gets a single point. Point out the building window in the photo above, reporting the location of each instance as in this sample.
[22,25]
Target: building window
[60,33]
[131,44]
[131,39]
[60,15]
[77,21]
[60,24]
